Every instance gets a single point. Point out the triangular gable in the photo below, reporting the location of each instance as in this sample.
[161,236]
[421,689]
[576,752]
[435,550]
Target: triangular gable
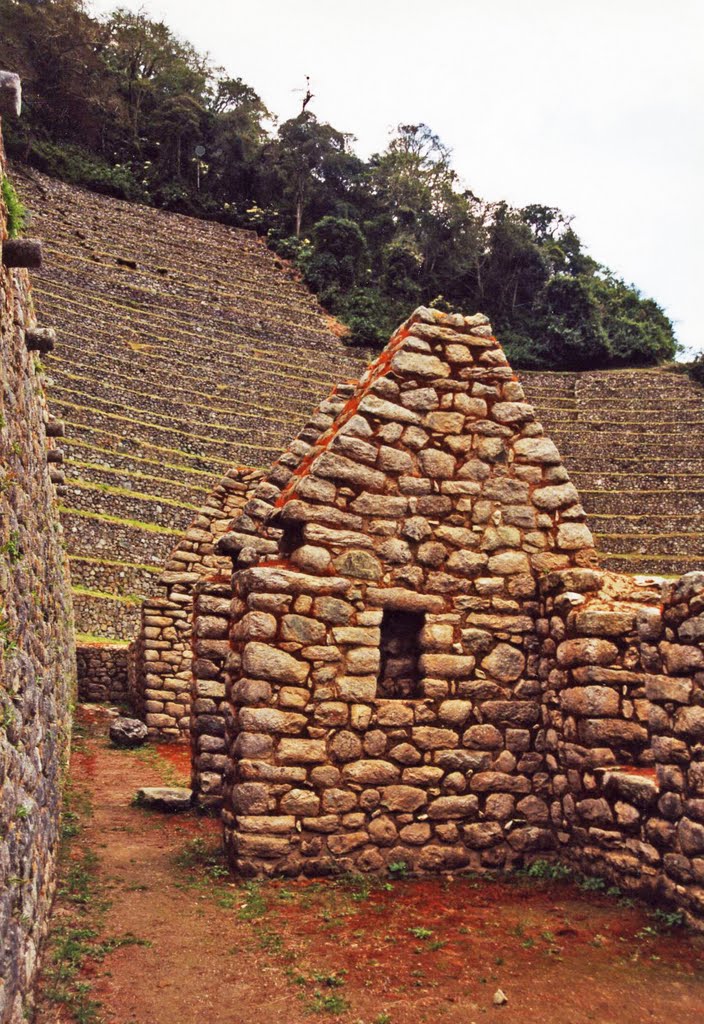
[437,434]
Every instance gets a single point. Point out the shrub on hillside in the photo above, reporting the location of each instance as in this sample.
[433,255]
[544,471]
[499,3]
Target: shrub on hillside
[80,167]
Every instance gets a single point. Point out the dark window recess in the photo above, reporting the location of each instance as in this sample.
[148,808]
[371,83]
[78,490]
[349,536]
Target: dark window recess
[291,538]
[400,654]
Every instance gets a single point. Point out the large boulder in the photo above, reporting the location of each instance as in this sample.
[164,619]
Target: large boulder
[128,732]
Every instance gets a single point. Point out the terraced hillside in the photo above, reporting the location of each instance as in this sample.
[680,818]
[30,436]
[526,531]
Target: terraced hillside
[185,348]
[633,443]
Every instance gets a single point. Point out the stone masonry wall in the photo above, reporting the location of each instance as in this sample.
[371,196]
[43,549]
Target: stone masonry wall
[623,663]
[36,647]
[102,672]
[435,499]
[248,537]
[161,666]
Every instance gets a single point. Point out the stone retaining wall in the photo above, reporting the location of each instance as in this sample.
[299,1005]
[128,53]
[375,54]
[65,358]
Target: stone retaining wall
[37,661]
[102,672]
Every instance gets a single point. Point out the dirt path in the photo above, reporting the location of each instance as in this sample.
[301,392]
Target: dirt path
[168,938]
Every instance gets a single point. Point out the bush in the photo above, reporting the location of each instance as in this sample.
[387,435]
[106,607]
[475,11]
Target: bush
[695,369]
[80,167]
[16,212]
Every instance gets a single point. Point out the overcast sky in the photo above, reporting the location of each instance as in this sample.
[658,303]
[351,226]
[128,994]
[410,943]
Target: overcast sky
[594,106]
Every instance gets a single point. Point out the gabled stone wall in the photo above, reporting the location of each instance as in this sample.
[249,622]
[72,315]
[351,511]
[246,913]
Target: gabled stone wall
[37,670]
[425,665]
[433,493]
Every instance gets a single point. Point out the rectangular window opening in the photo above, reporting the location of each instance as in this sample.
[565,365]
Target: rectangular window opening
[400,654]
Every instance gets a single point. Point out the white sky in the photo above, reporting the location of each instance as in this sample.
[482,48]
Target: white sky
[594,106]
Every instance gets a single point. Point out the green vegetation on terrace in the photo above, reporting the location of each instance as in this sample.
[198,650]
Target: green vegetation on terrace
[14,209]
[135,524]
[93,638]
[119,104]
[155,569]
[103,595]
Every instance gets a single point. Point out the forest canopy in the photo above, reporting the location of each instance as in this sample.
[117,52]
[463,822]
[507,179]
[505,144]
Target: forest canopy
[123,106]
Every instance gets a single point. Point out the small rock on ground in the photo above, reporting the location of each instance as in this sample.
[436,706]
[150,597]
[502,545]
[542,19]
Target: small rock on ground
[165,798]
[128,732]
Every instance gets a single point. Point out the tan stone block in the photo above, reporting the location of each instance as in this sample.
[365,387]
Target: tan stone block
[298,751]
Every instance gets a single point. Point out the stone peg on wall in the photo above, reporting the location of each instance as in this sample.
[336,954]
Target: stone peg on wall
[10,94]
[55,428]
[55,455]
[57,476]
[40,339]
[22,252]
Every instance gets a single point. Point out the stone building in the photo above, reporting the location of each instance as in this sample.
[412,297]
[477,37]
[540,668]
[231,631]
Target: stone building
[421,662]
[385,647]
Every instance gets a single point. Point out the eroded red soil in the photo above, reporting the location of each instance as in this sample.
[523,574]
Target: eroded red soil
[225,952]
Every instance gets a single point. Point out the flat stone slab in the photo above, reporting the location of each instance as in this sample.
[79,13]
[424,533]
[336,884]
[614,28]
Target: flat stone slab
[165,798]
[128,732]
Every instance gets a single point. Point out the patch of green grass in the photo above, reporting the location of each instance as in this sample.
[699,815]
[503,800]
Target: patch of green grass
[399,869]
[16,211]
[547,869]
[254,906]
[332,1003]
[12,548]
[75,939]
[419,932]
[103,595]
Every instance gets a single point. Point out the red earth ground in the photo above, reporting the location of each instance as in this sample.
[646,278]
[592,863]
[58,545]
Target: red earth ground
[213,950]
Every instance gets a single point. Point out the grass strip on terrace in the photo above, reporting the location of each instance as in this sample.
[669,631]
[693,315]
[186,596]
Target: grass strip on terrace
[134,524]
[104,595]
[237,408]
[155,570]
[171,430]
[136,475]
[174,357]
[180,355]
[89,485]
[94,638]
[177,277]
[225,427]
[89,428]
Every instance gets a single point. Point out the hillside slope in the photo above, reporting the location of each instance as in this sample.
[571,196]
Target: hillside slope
[185,347]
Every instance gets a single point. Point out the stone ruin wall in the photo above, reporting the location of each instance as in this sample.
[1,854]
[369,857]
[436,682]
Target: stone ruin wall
[36,637]
[623,708]
[560,709]
[213,597]
[103,672]
[160,659]
[435,495]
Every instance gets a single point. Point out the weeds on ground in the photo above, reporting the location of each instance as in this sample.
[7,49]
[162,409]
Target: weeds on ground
[75,938]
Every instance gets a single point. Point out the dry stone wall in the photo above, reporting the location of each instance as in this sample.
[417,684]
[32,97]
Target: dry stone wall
[623,663]
[425,664]
[428,510]
[633,444]
[247,540]
[102,670]
[36,648]
[161,662]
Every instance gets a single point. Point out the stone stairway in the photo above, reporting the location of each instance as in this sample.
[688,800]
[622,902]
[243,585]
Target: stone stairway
[633,443]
